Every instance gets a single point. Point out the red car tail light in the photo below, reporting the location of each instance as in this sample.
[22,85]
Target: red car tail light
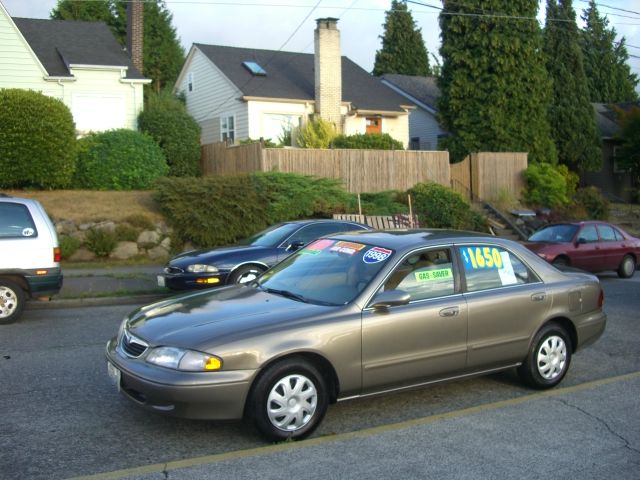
[601,298]
[56,254]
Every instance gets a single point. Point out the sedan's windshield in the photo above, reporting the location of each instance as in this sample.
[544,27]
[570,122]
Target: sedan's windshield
[555,233]
[326,272]
[271,237]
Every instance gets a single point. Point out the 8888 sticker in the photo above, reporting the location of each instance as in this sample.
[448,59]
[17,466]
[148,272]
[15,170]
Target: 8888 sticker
[376,255]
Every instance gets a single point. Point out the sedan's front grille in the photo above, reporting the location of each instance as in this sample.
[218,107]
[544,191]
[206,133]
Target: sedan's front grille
[133,346]
[173,270]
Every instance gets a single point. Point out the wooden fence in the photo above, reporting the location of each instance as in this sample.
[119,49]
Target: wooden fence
[487,175]
[360,170]
[480,176]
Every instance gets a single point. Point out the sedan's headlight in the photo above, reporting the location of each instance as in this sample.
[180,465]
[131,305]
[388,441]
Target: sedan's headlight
[186,360]
[201,268]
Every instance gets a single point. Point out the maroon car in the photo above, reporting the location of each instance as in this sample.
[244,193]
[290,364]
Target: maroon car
[591,246]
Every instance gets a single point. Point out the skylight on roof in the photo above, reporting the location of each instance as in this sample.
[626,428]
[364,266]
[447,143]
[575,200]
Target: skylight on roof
[255,69]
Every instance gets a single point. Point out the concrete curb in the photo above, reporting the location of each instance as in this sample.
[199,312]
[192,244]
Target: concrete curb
[94,302]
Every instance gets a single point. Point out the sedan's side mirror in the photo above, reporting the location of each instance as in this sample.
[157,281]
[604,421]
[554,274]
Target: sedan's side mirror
[390,298]
[293,246]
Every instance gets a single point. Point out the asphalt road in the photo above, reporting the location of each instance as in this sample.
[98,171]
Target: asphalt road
[61,417]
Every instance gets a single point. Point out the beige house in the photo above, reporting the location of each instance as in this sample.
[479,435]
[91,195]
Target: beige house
[80,63]
[240,93]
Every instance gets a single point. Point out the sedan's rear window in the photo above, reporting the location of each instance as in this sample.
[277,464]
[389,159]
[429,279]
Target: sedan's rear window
[16,221]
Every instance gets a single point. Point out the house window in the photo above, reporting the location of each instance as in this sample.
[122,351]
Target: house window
[414,144]
[228,129]
[190,81]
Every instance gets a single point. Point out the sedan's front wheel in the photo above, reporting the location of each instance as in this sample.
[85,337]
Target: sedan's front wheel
[246,274]
[289,400]
[548,359]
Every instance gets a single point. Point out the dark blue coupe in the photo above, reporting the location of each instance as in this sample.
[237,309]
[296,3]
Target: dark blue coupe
[246,261]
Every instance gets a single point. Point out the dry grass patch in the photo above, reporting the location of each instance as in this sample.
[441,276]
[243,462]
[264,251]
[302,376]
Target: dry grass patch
[93,206]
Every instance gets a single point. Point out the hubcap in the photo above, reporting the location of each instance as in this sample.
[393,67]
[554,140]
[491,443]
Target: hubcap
[552,357]
[8,302]
[628,267]
[292,403]
[248,277]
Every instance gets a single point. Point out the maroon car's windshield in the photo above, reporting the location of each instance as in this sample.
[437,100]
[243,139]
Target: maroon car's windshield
[555,234]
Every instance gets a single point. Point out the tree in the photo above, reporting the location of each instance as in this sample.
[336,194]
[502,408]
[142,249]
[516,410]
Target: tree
[630,136]
[163,55]
[571,115]
[494,87]
[166,119]
[403,50]
[609,76]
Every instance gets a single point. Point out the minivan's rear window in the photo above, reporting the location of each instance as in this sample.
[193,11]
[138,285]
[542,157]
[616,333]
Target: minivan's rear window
[16,221]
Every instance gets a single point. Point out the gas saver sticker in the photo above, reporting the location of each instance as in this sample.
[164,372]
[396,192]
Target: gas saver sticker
[431,275]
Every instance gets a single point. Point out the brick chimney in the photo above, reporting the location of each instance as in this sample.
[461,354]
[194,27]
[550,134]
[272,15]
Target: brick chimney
[135,29]
[328,71]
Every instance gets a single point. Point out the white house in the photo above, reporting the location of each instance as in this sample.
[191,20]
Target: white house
[424,129]
[240,93]
[80,63]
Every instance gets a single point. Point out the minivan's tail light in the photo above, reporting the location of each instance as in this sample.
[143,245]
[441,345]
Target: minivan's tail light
[601,298]
[56,254]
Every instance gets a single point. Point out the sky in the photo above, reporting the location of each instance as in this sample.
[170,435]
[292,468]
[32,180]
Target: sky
[288,24]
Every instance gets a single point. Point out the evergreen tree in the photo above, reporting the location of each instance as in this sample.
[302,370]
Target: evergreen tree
[609,77]
[494,87]
[163,55]
[571,115]
[403,50]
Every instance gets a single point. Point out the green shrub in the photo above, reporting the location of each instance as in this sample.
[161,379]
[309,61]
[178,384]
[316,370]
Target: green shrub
[546,186]
[593,202]
[37,140]
[390,202]
[374,141]
[220,210]
[119,160]
[68,246]
[291,196]
[100,241]
[126,233]
[140,221]
[165,118]
[315,134]
[440,207]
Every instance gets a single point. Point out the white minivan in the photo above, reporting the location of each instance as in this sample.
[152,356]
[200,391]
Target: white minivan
[30,259]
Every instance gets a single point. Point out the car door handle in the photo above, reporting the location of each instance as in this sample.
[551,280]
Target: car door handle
[449,312]
[538,297]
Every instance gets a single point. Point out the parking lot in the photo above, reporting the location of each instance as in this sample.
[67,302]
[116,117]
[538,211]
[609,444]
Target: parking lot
[62,418]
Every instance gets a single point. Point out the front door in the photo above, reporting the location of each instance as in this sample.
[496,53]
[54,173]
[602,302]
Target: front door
[374,125]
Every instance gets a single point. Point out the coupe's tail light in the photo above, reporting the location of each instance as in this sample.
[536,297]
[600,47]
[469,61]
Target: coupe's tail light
[56,254]
[601,298]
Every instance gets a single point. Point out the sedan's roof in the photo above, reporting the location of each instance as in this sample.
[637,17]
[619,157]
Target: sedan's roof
[407,239]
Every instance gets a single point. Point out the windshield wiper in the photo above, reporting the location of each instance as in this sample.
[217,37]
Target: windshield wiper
[288,294]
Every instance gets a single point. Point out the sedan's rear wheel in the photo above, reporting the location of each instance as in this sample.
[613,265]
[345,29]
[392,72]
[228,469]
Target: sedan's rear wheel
[627,267]
[548,359]
[288,401]
[12,299]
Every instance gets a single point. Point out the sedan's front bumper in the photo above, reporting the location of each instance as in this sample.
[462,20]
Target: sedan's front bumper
[199,395]
[192,281]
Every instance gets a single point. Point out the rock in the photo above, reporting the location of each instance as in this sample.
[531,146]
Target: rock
[125,251]
[166,243]
[107,225]
[158,253]
[148,238]
[82,255]
[66,227]
[80,235]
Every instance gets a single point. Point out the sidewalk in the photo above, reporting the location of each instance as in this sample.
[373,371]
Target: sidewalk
[107,286]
